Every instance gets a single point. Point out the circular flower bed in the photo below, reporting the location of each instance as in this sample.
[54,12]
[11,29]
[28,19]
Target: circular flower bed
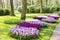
[24,31]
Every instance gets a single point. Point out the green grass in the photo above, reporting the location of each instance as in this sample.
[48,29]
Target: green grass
[44,33]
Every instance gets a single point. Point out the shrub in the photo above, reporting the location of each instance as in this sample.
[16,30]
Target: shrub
[4,12]
[7,11]
[31,9]
[20,9]
[49,9]
[13,21]
[37,10]
[1,12]
[46,9]
[53,9]
[58,9]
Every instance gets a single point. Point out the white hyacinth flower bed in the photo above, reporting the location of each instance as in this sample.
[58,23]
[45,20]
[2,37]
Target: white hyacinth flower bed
[36,21]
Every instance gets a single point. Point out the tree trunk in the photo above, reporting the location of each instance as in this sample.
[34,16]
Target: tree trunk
[24,9]
[7,4]
[1,4]
[12,8]
[56,3]
[41,6]
[46,2]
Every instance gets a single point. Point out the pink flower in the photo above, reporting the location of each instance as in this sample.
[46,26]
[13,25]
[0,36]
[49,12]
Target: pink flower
[54,16]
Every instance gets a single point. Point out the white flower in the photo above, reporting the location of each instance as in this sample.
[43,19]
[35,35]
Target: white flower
[35,21]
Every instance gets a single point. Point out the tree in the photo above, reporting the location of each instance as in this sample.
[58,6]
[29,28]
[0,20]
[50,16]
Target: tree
[12,8]
[46,2]
[24,9]
[41,6]
[1,4]
[56,2]
[7,4]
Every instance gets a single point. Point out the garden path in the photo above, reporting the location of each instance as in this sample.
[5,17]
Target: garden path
[56,33]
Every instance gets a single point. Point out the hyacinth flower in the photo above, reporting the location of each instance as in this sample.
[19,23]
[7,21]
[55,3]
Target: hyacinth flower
[35,21]
[26,24]
[24,31]
[54,16]
[40,17]
[49,19]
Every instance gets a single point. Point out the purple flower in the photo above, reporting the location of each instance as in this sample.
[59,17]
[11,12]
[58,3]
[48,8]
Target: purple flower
[26,24]
[24,31]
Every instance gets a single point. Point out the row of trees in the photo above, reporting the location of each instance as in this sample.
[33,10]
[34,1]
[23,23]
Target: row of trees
[24,6]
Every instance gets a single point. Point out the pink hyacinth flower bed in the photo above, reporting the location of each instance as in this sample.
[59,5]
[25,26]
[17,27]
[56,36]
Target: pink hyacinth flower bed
[26,24]
[49,19]
[40,17]
[54,16]
[24,31]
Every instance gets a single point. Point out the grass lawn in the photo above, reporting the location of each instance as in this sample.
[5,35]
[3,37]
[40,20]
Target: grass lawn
[44,33]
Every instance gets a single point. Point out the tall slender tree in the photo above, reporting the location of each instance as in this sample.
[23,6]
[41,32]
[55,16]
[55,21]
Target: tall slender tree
[46,2]
[49,2]
[24,9]
[12,8]
[56,2]
[1,4]
[7,4]
[41,6]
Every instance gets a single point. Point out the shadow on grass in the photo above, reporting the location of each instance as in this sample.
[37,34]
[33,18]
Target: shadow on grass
[17,37]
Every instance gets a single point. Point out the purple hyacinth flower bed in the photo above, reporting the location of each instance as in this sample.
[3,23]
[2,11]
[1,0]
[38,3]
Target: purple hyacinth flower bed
[26,24]
[24,31]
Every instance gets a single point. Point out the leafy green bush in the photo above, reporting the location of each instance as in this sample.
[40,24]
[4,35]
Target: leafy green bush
[49,9]
[20,9]
[58,9]
[13,21]
[46,9]
[4,12]
[31,9]
[7,11]
[1,12]
[36,9]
